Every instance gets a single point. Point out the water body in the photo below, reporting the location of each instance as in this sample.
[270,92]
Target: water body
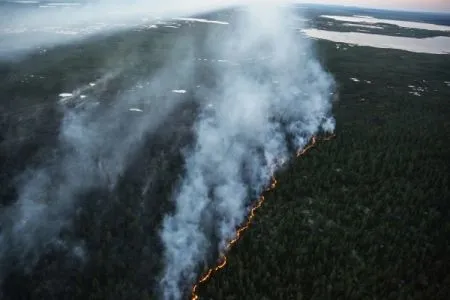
[372,20]
[432,45]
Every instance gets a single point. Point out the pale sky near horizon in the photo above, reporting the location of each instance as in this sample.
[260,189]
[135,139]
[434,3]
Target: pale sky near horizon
[425,5]
[412,5]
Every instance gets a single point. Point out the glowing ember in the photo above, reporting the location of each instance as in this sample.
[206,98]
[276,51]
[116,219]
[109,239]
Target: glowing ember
[222,261]
[304,150]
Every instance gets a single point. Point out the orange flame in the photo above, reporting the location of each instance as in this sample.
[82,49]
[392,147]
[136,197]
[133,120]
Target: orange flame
[222,261]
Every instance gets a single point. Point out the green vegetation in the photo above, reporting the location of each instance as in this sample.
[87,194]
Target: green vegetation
[363,216]
[387,29]
[366,215]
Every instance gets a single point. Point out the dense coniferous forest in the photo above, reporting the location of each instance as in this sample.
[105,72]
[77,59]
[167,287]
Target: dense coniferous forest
[365,215]
[362,216]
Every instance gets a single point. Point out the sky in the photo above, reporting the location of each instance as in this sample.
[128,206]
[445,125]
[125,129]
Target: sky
[413,5]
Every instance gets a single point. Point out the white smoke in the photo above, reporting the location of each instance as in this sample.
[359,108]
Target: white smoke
[278,93]
[95,145]
[43,24]
[273,94]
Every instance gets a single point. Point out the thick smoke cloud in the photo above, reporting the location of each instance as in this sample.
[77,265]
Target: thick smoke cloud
[269,100]
[277,95]
[28,25]
[97,140]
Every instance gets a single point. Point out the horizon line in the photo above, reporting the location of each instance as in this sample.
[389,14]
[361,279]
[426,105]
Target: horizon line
[412,10]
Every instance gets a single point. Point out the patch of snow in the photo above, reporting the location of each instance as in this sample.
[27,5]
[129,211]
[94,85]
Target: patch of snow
[363,26]
[354,79]
[179,91]
[24,2]
[201,21]
[64,4]
[136,109]
[417,91]
[65,95]
[149,26]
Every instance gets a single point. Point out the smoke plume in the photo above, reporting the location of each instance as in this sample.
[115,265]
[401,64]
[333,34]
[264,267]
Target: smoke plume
[96,142]
[274,95]
[265,99]
[29,25]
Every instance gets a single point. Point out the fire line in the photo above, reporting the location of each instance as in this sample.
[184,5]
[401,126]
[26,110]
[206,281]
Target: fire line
[222,261]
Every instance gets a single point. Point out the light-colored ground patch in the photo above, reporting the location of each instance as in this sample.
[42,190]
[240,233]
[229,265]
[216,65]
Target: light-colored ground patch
[404,24]
[79,93]
[362,26]
[64,4]
[432,45]
[201,21]
[223,61]
[416,90]
[64,95]
[179,91]
[24,2]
